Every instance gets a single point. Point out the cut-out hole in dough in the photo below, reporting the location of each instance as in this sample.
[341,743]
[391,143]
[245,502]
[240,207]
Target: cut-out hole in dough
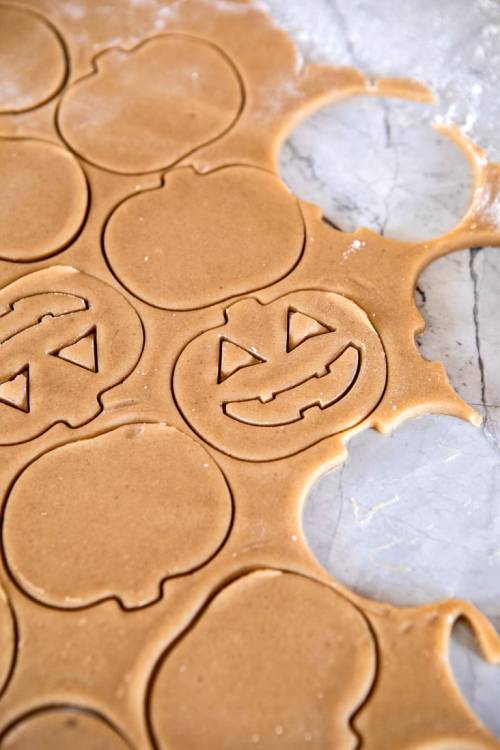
[233,357]
[82,352]
[414,517]
[458,296]
[302,327]
[15,391]
[376,163]
[478,680]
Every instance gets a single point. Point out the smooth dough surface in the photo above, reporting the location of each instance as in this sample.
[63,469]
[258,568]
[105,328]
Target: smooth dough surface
[32,60]
[276,660]
[147,108]
[43,199]
[203,238]
[136,505]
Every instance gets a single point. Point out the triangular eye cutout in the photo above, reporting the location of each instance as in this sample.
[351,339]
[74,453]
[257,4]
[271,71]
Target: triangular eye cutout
[15,392]
[301,327]
[233,357]
[82,352]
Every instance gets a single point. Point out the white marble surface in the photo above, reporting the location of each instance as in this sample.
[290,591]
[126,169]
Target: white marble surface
[414,517]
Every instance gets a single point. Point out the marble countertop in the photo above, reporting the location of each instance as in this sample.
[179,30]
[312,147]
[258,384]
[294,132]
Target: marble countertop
[414,517]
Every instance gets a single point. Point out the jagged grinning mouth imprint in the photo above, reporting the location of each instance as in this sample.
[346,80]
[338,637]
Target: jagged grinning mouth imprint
[21,320]
[337,379]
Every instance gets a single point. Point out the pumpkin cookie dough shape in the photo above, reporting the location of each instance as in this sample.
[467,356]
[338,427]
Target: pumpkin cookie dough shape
[61,728]
[200,239]
[277,378]
[276,660]
[114,515]
[147,108]
[7,640]
[43,199]
[32,60]
[65,338]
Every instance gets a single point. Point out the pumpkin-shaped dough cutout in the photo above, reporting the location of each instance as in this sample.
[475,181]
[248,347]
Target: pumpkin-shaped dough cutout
[65,338]
[145,109]
[201,239]
[115,515]
[276,661]
[277,378]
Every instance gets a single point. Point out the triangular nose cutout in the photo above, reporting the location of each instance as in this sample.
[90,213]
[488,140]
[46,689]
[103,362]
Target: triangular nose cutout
[301,327]
[82,352]
[16,391]
[233,357]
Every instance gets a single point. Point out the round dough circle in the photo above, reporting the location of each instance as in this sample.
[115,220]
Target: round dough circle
[32,60]
[43,199]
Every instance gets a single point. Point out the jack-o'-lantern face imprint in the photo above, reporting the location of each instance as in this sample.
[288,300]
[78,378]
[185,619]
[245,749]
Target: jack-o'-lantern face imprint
[278,377]
[65,338]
